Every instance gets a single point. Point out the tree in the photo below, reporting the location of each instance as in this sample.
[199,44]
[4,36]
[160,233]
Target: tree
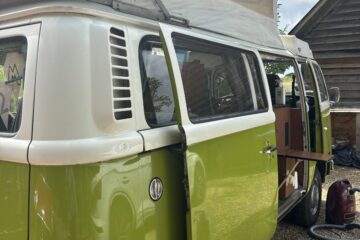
[159,100]
[283,31]
[2,74]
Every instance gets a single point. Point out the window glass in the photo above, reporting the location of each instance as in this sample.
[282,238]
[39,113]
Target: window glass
[12,73]
[157,93]
[217,80]
[308,79]
[321,82]
[258,83]
[282,76]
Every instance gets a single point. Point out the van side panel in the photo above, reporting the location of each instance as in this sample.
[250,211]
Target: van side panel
[164,219]
[233,192]
[326,124]
[106,200]
[14,179]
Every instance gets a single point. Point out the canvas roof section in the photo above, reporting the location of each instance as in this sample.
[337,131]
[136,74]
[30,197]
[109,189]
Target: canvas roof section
[254,21]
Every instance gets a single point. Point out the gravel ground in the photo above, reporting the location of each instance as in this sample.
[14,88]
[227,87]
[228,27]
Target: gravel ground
[287,231]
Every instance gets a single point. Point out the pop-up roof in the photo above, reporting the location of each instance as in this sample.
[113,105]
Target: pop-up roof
[297,46]
[253,21]
[249,20]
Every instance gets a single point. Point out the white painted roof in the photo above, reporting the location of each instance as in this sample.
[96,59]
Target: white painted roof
[297,46]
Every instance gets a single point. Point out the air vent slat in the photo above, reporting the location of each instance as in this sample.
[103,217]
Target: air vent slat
[119,61]
[121,88]
[123,115]
[116,36]
[117,32]
[122,110]
[118,51]
[121,82]
[118,56]
[122,106]
[121,99]
[120,67]
[121,93]
[120,72]
[117,42]
[117,46]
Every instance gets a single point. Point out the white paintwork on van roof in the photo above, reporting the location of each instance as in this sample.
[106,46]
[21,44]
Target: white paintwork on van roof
[297,46]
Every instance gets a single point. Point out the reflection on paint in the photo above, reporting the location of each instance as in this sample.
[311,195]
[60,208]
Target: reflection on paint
[13,201]
[108,200]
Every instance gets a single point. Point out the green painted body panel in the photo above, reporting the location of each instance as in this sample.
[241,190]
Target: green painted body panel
[109,200]
[233,187]
[14,182]
[326,134]
[322,137]
[318,135]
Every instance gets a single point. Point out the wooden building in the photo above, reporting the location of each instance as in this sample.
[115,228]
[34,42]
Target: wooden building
[332,28]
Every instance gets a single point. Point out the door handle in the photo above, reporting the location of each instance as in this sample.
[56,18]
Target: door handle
[269,150]
[325,128]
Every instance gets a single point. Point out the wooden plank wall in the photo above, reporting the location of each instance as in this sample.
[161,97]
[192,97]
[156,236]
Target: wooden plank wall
[335,41]
[344,126]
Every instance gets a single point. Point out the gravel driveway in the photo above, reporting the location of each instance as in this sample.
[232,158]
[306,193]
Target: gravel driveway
[289,231]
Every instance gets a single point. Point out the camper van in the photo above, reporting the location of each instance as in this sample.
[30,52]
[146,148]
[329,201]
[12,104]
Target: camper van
[156,120]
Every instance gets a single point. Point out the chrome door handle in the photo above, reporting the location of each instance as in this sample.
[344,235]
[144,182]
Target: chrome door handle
[269,150]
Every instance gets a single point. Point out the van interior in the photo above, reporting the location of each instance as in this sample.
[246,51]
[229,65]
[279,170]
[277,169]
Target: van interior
[291,111]
[290,133]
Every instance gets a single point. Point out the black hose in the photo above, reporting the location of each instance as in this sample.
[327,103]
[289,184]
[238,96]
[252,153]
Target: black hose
[354,190]
[346,227]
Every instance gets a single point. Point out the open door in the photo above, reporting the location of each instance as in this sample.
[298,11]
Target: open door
[228,130]
[324,108]
[318,113]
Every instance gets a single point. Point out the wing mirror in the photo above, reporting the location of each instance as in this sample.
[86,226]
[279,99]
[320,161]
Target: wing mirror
[334,95]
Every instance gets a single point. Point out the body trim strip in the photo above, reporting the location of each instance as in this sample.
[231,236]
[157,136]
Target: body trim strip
[85,151]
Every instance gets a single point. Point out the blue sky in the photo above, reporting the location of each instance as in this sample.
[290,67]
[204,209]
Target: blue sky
[292,11]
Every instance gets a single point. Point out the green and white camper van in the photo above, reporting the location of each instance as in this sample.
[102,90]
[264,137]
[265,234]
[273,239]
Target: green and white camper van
[156,120]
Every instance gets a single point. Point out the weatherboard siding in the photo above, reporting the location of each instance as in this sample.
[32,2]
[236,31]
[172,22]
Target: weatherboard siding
[333,31]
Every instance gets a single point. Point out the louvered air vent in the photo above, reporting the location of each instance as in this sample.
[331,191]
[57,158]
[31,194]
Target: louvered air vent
[120,75]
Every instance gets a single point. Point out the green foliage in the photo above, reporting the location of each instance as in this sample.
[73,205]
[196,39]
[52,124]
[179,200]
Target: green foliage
[159,100]
[283,31]
[276,67]
[287,82]
[2,74]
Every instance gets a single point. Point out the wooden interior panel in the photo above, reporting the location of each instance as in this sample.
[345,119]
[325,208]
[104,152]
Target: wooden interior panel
[296,129]
[282,127]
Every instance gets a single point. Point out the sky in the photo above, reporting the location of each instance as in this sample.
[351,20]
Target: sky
[292,11]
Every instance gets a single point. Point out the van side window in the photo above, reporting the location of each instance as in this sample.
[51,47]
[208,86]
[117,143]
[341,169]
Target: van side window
[12,72]
[218,80]
[321,82]
[308,78]
[157,93]
[283,80]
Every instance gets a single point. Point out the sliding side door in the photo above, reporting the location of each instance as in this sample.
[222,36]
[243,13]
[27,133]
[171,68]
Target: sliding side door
[228,136]
[324,107]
